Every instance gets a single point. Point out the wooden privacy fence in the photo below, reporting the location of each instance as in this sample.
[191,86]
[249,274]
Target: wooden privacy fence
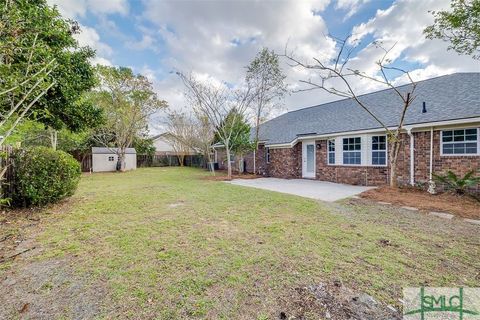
[85,159]
[144,160]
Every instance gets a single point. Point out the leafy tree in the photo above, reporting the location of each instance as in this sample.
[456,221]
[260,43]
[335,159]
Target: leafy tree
[144,145]
[43,70]
[241,142]
[31,133]
[127,100]
[268,82]
[460,26]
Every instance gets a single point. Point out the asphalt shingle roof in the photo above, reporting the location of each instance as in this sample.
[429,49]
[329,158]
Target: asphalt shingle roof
[450,97]
[101,150]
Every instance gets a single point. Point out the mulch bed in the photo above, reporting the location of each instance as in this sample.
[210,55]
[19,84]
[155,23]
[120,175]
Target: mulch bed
[463,206]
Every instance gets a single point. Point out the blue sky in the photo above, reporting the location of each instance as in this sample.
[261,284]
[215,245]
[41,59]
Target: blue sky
[216,39]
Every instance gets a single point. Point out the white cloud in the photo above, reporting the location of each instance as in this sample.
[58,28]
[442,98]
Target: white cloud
[217,39]
[351,6]
[108,6]
[402,25]
[89,37]
[220,38]
[99,60]
[148,73]
[147,42]
[77,8]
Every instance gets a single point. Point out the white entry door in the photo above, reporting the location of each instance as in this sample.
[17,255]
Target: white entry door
[308,159]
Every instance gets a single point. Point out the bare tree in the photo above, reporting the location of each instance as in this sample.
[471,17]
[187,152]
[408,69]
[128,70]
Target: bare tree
[216,102]
[203,136]
[268,83]
[339,72]
[180,134]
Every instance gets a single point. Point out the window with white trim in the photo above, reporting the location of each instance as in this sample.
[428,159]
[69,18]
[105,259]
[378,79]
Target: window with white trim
[331,151]
[352,150]
[460,141]
[267,155]
[379,150]
[111,158]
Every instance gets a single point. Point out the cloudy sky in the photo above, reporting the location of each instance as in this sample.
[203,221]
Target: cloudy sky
[218,38]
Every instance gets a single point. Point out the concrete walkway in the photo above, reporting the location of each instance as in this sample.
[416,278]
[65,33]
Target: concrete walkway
[314,189]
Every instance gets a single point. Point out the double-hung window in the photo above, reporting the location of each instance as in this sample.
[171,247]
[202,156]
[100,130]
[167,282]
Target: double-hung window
[379,150]
[352,150]
[331,151]
[460,142]
[267,155]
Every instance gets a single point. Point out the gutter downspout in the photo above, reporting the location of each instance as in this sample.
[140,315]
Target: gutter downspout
[431,154]
[412,156]
[431,184]
[254,161]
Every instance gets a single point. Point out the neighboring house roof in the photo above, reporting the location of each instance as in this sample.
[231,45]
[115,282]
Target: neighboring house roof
[450,97]
[156,137]
[97,150]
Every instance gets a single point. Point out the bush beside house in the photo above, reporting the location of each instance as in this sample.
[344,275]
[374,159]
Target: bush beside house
[43,175]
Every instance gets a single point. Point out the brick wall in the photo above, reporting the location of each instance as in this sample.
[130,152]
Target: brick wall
[287,163]
[441,164]
[357,175]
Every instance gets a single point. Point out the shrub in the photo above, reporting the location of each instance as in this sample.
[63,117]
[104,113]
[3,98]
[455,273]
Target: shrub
[43,175]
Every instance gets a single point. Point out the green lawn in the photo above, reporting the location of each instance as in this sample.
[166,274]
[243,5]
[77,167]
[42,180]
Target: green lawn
[167,243]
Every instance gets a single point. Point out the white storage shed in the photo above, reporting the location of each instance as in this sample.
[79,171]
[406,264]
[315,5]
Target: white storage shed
[105,159]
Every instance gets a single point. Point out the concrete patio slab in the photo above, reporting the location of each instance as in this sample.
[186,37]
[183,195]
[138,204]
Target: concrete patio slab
[314,189]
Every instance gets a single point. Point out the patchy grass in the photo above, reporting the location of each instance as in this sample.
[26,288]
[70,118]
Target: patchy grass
[167,243]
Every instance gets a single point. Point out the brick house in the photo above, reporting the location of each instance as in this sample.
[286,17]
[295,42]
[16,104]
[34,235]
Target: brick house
[339,142]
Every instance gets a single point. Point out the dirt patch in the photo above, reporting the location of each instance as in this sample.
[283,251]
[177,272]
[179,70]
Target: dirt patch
[462,206]
[48,289]
[221,175]
[18,226]
[333,301]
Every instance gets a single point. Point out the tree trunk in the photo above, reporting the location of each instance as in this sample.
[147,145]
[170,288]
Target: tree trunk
[54,138]
[257,131]
[229,164]
[393,163]
[121,160]
[181,159]
[393,174]
[241,167]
